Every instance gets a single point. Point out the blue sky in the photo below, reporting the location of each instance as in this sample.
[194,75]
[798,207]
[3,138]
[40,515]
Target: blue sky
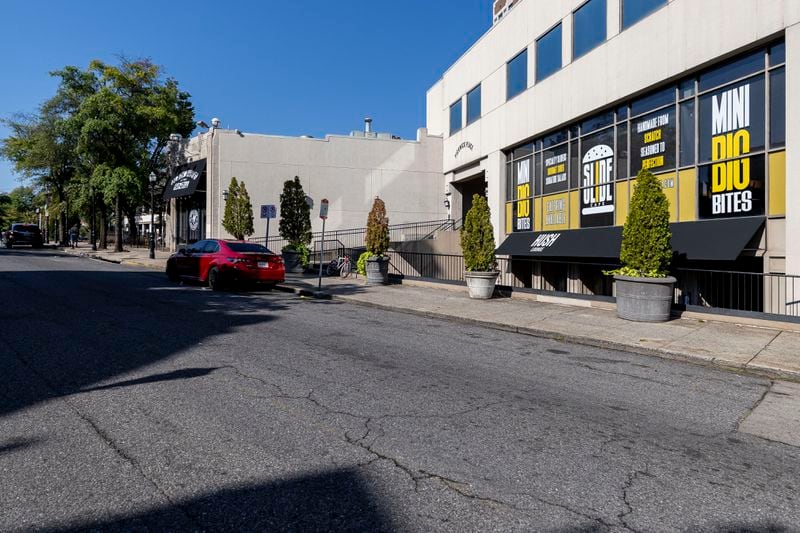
[287,68]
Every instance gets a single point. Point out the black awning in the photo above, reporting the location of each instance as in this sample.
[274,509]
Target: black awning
[589,242]
[185,180]
[714,240]
[708,240]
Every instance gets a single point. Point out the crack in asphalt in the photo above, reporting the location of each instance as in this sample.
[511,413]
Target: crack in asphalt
[626,487]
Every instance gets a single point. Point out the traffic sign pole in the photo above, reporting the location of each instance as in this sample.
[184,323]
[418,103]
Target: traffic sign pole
[323,214]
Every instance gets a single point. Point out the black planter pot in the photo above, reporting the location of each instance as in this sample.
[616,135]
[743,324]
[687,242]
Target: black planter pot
[377,270]
[291,261]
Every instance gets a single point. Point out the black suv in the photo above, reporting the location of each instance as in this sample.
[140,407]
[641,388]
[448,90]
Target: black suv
[29,234]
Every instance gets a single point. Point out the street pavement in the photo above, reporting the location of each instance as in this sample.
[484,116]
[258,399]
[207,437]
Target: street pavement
[131,403]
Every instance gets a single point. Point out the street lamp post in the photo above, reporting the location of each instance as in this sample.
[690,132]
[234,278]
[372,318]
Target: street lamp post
[152,215]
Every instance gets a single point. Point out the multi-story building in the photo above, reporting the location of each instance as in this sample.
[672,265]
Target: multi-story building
[555,109]
[347,170]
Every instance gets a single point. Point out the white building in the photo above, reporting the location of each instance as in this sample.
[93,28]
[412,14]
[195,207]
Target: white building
[553,111]
[348,170]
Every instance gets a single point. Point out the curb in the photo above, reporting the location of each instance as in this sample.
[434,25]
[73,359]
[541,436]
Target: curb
[594,343]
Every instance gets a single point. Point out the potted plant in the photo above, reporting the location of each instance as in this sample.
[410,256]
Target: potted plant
[377,242]
[295,226]
[477,245]
[644,286]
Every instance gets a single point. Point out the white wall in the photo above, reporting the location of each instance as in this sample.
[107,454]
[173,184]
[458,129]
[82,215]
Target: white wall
[348,171]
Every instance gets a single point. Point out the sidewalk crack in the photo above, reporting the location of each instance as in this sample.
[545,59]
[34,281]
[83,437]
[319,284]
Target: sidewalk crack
[778,334]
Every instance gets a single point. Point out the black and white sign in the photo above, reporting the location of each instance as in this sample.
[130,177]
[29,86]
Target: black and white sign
[194,220]
[597,180]
[653,141]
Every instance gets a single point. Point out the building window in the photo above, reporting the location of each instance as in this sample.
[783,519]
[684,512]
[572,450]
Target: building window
[517,75]
[588,27]
[455,117]
[474,105]
[548,53]
[777,108]
[635,10]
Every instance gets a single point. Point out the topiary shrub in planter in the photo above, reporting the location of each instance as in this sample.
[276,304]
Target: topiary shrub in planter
[477,244]
[644,286]
[377,242]
[295,226]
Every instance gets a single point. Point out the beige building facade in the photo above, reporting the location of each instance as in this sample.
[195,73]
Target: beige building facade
[347,170]
[554,110]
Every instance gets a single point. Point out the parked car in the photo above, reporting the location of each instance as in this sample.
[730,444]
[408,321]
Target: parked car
[219,263]
[23,234]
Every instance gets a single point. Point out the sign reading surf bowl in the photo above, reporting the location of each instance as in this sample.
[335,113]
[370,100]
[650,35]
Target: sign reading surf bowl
[597,186]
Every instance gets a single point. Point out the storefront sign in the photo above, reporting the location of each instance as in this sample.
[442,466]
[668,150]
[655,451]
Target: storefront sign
[194,220]
[733,185]
[544,241]
[464,145]
[597,181]
[522,206]
[653,141]
[555,208]
[555,169]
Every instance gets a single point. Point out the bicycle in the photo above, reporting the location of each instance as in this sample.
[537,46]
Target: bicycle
[341,265]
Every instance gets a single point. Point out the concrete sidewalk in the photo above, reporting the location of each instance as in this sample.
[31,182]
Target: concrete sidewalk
[766,347]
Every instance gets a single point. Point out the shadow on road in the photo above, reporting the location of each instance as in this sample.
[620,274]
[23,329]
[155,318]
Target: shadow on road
[186,373]
[332,501]
[67,326]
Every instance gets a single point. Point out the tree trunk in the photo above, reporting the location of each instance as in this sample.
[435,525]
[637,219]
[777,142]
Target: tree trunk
[103,228]
[118,244]
[133,227]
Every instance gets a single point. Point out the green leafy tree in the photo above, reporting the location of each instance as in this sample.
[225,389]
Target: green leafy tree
[477,237]
[238,219]
[646,250]
[377,238]
[295,223]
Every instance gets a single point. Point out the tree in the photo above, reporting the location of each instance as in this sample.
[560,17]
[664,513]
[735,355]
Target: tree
[646,250]
[238,219]
[477,237]
[124,128]
[377,237]
[295,223]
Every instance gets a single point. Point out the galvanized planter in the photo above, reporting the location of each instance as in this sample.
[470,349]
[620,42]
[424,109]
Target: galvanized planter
[377,270]
[644,299]
[291,262]
[481,284]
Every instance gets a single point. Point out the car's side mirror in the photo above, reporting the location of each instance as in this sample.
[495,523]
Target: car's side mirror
[183,251]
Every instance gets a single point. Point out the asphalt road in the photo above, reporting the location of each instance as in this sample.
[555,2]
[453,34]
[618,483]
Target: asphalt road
[129,403]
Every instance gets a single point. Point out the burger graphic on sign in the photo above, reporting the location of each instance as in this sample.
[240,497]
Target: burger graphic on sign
[598,181]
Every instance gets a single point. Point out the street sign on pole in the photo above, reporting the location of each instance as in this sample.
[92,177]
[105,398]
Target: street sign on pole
[323,209]
[269,211]
[323,214]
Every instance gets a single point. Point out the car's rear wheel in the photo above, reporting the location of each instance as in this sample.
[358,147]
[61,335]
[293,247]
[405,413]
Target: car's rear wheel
[214,279]
[172,273]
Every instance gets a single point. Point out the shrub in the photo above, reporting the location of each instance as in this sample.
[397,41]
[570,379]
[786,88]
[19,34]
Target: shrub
[646,250]
[238,217]
[477,237]
[377,238]
[361,264]
[295,224]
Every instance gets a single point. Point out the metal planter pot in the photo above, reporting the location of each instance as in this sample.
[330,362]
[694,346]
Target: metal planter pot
[377,270]
[291,261]
[644,299]
[481,284]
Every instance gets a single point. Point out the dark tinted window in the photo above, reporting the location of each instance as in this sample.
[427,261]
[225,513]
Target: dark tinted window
[455,117]
[589,27]
[777,108]
[517,75]
[635,10]
[522,151]
[197,248]
[555,138]
[687,133]
[732,71]
[211,247]
[245,247]
[474,105]
[548,53]
[777,54]
[597,122]
[653,101]
[728,110]
[25,227]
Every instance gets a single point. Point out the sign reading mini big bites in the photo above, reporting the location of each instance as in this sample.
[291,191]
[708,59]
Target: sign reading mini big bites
[597,180]
[524,191]
[731,129]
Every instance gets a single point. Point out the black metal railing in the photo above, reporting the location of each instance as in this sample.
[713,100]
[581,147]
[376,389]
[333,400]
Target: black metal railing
[754,292]
[354,237]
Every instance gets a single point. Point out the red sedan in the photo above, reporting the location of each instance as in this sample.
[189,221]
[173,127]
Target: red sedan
[219,262]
